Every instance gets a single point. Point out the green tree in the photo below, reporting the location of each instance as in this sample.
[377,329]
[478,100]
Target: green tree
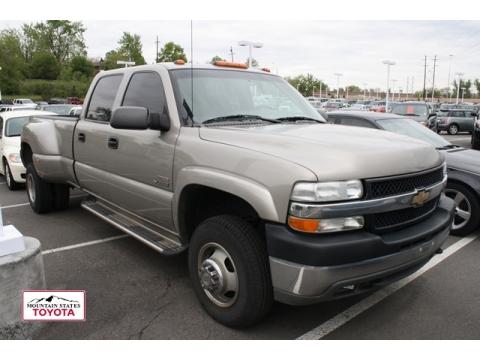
[63,38]
[44,65]
[111,59]
[131,48]
[12,63]
[354,89]
[467,84]
[216,58]
[81,67]
[171,52]
[477,85]
[308,84]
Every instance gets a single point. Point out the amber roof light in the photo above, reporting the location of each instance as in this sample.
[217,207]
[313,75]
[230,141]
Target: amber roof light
[230,64]
[179,62]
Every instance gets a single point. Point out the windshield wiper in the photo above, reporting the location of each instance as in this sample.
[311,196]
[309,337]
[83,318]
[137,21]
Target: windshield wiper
[238,116]
[450,146]
[295,118]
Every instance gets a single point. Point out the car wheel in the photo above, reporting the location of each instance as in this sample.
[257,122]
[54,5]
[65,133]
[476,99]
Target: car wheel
[467,209]
[11,183]
[40,192]
[475,143]
[453,129]
[229,269]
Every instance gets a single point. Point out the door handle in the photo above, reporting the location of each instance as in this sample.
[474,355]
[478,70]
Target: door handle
[81,137]
[113,143]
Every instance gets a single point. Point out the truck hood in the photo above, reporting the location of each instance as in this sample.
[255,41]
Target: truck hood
[332,152]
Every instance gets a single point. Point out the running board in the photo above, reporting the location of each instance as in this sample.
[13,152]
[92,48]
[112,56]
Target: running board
[167,245]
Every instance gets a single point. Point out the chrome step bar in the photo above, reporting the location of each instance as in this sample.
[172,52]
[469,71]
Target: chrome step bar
[163,243]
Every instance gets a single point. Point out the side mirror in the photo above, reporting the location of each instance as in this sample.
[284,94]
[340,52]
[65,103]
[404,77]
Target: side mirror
[130,117]
[159,121]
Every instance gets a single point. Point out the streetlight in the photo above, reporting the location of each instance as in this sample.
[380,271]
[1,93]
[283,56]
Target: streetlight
[388,63]
[394,81]
[338,75]
[459,75]
[463,91]
[250,45]
[449,72]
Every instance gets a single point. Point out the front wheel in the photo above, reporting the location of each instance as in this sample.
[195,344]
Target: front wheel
[453,129]
[467,209]
[228,266]
[11,183]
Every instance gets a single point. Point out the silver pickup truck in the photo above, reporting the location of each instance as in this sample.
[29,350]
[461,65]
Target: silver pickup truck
[237,167]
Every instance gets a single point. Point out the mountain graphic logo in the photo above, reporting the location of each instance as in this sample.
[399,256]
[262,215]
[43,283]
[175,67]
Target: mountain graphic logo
[50,299]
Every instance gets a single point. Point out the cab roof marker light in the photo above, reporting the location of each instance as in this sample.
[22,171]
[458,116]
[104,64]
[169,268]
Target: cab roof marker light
[230,64]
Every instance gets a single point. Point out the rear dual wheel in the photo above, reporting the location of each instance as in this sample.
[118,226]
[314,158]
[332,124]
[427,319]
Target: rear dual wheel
[44,196]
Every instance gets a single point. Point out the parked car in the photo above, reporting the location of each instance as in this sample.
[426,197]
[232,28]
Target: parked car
[75,111]
[57,100]
[270,202]
[24,102]
[463,164]
[418,111]
[333,105]
[378,106]
[40,104]
[456,120]
[74,100]
[11,125]
[59,109]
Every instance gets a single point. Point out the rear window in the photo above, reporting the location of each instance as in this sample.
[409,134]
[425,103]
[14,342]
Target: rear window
[410,109]
[101,101]
[14,126]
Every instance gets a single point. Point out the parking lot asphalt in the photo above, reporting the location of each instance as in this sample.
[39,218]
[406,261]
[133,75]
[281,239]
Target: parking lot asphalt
[135,293]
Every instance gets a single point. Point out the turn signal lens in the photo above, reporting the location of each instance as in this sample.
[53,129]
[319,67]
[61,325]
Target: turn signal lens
[303,225]
[179,62]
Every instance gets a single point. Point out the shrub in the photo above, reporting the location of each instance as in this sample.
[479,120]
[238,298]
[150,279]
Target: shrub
[47,89]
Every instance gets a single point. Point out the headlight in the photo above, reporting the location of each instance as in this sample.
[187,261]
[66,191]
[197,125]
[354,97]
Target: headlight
[15,158]
[327,191]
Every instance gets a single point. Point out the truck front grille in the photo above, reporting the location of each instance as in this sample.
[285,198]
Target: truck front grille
[384,187]
[392,220]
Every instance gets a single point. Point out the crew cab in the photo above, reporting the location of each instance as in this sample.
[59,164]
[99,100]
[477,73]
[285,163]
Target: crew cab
[269,200]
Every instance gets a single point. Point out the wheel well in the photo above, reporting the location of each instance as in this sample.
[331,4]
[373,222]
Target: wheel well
[198,203]
[26,154]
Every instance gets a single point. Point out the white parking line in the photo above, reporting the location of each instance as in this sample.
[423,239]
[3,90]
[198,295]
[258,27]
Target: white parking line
[88,243]
[341,319]
[3,182]
[25,204]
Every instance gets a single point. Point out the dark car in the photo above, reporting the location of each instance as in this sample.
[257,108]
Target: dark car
[463,164]
[456,120]
[418,111]
[476,135]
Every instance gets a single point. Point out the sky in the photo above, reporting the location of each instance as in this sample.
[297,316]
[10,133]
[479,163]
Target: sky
[355,49]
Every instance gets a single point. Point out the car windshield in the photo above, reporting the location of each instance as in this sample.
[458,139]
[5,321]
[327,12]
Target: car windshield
[15,125]
[223,94]
[59,109]
[26,101]
[413,129]
[410,109]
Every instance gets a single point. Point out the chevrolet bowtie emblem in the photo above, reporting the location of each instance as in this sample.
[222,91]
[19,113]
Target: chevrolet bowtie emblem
[420,198]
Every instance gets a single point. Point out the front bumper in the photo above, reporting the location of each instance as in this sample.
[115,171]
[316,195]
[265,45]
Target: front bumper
[307,269]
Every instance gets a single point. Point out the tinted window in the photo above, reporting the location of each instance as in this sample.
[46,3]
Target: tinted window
[457,114]
[351,121]
[145,89]
[102,99]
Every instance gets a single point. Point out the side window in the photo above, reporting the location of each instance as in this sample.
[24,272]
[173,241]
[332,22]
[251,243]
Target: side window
[145,89]
[350,121]
[1,127]
[103,96]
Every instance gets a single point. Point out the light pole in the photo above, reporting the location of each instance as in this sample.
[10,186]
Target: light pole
[320,88]
[449,72]
[364,89]
[463,92]
[338,75]
[459,76]
[388,63]
[250,45]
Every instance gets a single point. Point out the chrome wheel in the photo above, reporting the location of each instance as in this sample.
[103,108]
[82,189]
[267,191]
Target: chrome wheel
[463,208]
[218,275]
[31,188]
[453,130]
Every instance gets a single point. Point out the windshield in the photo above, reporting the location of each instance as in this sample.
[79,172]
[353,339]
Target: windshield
[223,93]
[58,109]
[410,109]
[413,129]
[14,126]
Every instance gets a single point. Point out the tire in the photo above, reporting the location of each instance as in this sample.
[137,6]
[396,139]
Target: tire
[39,192]
[453,129]
[475,143]
[61,196]
[11,183]
[467,203]
[246,259]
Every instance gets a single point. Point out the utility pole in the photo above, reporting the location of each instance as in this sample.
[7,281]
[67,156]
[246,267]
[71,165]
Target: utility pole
[425,79]
[231,52]
[411,88]
[406,89]
[449,73]
[156,54]
[433,80]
